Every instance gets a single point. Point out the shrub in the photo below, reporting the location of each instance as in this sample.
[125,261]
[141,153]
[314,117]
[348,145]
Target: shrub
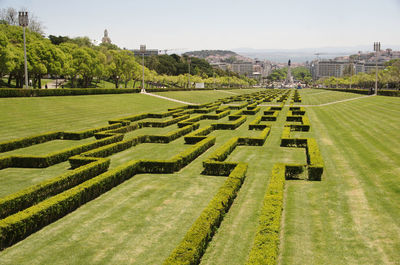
[192,247]
[265,249]
[28,141]
[229,126]
[34,194]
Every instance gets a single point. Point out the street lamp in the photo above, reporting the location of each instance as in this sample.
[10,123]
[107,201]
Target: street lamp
[143,51]
[377,49]
[189,72]
[23,22]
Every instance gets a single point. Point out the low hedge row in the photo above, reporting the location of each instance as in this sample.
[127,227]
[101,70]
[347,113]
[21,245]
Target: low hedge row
[192,247]
[161,124]
[241,106]
[29,141]
[303,127]
[272,117]
[20,225]
[198,135]
[59,156]
[315,162]
[217,116]
[88,133]
[126,144]
[251,111]
[5,93]
[206,110]
[265,249]
[314,159]
[381,92]
[255,124]
[190,121]
[255,141]
[222,109]
[230,126]
[27,197]
[123,129]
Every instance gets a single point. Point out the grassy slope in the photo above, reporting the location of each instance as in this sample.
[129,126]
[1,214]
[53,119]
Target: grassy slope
[343,219]
[351,217]
[205,96]
[28,116]
[321,96]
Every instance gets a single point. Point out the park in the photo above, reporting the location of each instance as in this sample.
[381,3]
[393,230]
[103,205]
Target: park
[237,176]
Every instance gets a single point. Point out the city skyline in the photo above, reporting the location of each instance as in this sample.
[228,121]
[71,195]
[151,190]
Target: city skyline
[190,25]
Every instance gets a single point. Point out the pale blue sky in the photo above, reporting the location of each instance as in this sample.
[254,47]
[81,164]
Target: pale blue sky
[222,24]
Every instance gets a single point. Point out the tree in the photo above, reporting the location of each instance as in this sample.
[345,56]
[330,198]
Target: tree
[10,16]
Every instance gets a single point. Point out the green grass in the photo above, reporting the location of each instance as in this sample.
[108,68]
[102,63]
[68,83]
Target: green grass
[350,217]
[321,96]
[205,96]
[29,116]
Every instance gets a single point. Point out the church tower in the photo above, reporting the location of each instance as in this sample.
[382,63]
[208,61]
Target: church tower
[106,39]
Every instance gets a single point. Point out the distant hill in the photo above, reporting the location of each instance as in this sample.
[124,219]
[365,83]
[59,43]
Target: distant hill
[217,56]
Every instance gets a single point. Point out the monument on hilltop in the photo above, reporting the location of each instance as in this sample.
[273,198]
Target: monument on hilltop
[289,77]
[106,39]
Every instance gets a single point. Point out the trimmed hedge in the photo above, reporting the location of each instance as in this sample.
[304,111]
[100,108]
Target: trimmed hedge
[20,225]
[29,141]
[198,135]
[241,106]
[381,92]
[126,144]
[314,160]
[206,110]
[5,93]
[161,124]
[60,156]
[255,141]
[192,247]
[88,133]
[27,197]
[265,249]
[229,126]
[251,111]
[217,116]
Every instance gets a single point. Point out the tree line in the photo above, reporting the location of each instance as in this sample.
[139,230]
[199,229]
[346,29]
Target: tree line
[387,78]
[84,64]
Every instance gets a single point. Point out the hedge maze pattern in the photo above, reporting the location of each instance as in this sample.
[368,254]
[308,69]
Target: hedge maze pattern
[28,210]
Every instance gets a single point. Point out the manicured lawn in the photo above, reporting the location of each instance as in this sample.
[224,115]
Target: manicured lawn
[321,96]
[205,96]
[29,116]
[350,217]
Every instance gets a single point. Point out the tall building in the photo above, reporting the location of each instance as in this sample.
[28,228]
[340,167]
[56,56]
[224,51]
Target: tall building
[245,68]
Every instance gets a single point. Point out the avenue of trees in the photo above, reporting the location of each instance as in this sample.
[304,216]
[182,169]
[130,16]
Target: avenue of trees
[299,73]
[84,64]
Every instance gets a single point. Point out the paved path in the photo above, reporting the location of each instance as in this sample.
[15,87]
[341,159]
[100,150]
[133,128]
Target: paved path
[335,102]
[52,84]
[228,92]
[320,105]
[170,99]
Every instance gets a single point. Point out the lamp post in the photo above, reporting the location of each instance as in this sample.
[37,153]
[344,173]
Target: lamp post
[377,49]
[23,22]
[142,51]
[189,73]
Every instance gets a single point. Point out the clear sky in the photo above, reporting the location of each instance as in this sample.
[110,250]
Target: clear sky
[221,24]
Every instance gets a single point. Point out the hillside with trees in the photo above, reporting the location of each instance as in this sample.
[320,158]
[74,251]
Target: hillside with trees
[84,64]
